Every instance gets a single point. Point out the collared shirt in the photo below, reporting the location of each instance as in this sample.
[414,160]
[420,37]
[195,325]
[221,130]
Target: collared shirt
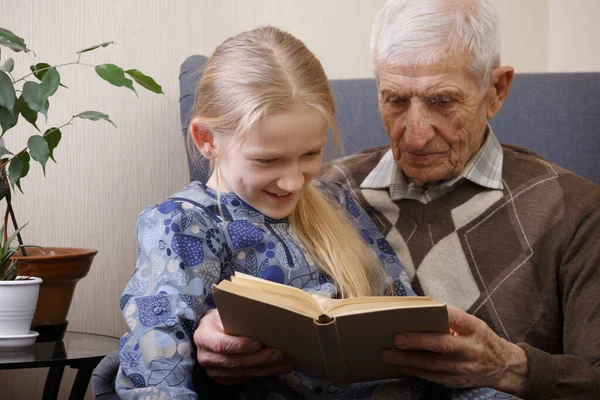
[484,169]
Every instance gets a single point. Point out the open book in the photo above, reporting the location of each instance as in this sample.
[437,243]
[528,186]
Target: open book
[337,340]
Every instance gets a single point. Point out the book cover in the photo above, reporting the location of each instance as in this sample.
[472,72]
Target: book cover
[341,341]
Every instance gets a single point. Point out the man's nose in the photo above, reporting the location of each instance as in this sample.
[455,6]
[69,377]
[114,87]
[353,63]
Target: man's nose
[291,180]
[419,129]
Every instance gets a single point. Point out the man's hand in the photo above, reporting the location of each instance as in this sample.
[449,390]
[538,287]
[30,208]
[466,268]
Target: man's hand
[471,356]
[234,359]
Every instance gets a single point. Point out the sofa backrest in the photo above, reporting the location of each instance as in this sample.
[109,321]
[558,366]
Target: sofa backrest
[557,115]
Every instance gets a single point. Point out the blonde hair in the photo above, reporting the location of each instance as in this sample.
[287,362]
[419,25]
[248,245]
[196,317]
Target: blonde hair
[264,71]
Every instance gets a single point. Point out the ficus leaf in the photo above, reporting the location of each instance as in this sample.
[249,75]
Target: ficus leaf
[3,150]
[114,75]
[39,70]
[12,41]
[94,116]
[94,47]
[144,80]
[52,137]
[7,92]
[27,113]
[39,150]
[9,118]
[31,96]
[8,65]
[14,170]
[49,84]
[24,157]
[45,109]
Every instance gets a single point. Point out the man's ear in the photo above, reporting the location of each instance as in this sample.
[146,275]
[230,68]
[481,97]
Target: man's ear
[203,139]
[500,81]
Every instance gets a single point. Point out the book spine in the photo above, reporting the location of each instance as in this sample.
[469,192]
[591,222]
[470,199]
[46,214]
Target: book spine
[331,349]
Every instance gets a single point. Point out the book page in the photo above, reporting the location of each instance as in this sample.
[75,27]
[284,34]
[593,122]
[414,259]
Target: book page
[273,324]
[280,295]
[357,305]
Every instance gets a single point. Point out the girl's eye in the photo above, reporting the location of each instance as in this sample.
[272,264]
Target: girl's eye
[266,160]
[314,153]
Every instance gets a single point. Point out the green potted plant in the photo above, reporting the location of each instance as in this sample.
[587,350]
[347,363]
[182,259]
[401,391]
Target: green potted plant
[22,100]
[18,294]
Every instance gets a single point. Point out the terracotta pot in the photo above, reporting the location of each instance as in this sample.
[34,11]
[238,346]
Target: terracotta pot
[60,268]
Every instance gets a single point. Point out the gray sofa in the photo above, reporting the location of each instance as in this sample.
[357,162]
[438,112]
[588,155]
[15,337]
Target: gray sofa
[556,115]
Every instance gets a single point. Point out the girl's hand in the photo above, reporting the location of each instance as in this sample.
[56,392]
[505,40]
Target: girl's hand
[234,359]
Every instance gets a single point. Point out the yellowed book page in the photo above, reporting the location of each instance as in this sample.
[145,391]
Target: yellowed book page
[365,304]
[287,297]
[274,326]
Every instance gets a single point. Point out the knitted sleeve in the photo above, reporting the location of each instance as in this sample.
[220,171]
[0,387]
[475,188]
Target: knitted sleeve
[576,372]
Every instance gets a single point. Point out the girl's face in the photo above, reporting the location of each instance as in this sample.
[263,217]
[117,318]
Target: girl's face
[275,161]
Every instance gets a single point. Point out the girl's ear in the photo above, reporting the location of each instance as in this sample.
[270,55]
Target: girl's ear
[203,139]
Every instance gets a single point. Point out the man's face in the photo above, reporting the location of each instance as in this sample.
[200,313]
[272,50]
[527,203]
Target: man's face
[276,160]
[435,117]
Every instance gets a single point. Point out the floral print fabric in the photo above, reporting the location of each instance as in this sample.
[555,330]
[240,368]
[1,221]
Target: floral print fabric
[192,241]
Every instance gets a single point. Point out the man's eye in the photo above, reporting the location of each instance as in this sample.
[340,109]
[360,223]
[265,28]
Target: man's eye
[397,101]
[440,100]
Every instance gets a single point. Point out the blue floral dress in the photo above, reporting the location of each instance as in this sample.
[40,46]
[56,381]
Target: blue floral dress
[194,240]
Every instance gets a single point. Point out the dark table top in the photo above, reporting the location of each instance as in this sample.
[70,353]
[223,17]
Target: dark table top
[74,349]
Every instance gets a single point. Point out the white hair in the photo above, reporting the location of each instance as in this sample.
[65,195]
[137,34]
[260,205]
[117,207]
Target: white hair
[422,32]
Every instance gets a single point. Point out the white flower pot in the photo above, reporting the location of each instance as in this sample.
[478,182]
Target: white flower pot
[18,300]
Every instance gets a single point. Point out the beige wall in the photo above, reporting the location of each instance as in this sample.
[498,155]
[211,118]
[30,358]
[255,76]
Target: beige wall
[573,35]
[105,176]
[523,34]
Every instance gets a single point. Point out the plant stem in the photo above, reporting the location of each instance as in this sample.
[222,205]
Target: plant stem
[15,225]
[55,66]
[9,209]
[59,128]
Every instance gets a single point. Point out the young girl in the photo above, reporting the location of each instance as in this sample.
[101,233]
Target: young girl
[262,113]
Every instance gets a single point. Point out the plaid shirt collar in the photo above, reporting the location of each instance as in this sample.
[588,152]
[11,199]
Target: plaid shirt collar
[484,169]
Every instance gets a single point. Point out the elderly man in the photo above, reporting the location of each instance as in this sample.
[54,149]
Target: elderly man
[506,238]
[493,230]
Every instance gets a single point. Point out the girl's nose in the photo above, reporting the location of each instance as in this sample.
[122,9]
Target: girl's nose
[292,181]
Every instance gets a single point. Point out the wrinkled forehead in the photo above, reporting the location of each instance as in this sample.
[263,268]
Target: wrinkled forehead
[451,72]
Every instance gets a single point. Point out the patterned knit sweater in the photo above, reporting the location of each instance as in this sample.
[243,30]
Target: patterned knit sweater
[525,259]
